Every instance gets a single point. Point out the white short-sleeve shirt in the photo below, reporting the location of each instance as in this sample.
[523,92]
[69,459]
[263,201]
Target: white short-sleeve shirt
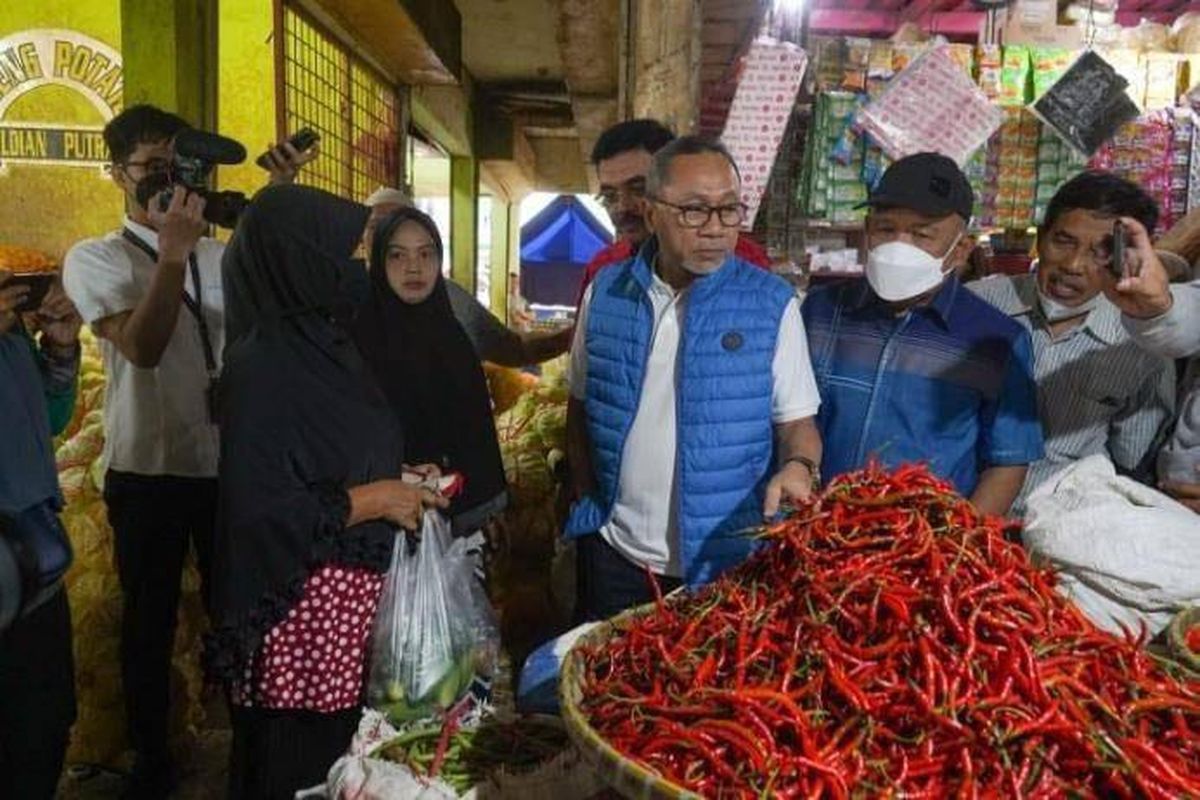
[156,420]
[643,527]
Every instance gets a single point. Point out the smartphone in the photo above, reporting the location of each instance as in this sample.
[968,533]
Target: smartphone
[302,140]
[39,284]
[1117,263]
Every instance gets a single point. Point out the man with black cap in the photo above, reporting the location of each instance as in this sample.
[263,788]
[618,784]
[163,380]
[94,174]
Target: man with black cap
[910,365]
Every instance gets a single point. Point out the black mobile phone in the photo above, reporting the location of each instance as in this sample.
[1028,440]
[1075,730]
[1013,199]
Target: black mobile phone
[39,284]
[1117,263]
[302,140]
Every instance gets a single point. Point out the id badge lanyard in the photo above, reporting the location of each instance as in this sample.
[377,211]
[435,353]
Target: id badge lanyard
[194,303]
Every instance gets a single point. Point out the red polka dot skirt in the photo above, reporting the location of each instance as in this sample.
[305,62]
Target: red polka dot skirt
[315,658]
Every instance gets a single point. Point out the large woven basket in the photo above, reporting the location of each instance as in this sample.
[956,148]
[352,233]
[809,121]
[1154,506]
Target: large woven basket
[1177,638]
[628,777]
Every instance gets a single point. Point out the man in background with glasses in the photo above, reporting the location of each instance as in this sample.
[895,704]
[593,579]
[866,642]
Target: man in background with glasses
[691,417]
[1098,392]
[622,157]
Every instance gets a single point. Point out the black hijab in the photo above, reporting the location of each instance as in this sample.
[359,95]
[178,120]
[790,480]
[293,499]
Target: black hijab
[432,377]
[302,419]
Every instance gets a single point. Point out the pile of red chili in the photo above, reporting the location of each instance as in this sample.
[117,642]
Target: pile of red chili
[889,642]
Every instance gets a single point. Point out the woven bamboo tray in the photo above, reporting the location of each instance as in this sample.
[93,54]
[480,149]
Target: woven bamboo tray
[1177,638]
[626,776]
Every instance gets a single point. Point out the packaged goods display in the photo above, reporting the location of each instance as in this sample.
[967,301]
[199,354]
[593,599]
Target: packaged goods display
[1137,130]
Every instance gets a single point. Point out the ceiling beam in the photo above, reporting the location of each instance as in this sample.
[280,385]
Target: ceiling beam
[884,23]
[919,8]
[535,132]
[414,45]
[442,25]
[560,117]
[528,88]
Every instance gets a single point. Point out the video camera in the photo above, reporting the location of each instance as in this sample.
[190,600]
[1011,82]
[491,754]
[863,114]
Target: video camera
[196,153]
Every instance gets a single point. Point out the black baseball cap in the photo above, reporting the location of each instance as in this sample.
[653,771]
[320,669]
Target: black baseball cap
[928,183]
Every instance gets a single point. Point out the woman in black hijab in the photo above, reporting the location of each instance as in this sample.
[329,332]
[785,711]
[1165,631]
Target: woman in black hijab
[428,368]
[310,496]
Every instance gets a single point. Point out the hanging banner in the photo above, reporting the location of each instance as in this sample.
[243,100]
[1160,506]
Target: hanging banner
[33,59]
[932,106]
[759,114]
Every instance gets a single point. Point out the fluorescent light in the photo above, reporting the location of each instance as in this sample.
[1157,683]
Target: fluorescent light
[789,6]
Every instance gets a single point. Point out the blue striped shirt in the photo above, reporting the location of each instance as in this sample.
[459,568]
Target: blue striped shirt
[1098,392]
[949,383]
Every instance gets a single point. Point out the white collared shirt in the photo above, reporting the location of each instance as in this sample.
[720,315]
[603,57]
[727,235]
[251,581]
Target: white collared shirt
[643,526]
[156,420]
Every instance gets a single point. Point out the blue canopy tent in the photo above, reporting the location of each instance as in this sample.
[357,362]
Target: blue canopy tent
[556,245]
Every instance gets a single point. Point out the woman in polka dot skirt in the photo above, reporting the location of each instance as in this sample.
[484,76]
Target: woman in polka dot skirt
[310,496]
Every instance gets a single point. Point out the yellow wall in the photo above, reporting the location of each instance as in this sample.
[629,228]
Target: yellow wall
[50,207]
[246,86]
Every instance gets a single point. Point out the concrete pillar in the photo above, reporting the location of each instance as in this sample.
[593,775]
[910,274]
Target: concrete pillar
[501,253]
[170,56]
[514,249]
[666,51]
[464,220]
[246,87]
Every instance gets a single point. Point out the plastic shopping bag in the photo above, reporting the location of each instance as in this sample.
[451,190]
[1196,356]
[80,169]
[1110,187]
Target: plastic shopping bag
[435,631]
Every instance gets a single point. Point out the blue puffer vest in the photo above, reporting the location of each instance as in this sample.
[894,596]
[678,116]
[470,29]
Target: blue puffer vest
[724,434]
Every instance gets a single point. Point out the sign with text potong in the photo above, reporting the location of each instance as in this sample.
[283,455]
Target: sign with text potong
[33,59]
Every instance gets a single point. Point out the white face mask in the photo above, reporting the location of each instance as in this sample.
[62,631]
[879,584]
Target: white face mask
[1055,311]
[900,271]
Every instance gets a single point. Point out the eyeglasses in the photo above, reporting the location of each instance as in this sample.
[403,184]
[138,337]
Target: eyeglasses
[633,190]
[697,216]
[152,166]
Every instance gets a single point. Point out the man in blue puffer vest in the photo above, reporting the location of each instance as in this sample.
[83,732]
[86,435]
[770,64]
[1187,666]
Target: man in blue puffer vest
[692,395]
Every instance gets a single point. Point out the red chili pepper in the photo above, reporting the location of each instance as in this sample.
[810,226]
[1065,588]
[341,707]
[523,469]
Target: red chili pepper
[888,641]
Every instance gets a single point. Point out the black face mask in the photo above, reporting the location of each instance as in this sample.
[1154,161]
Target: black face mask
[150,187]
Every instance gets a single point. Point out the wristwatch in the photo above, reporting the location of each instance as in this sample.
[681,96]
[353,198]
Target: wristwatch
[813,469]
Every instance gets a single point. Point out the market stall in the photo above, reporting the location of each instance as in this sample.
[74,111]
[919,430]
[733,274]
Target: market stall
[886,638]
[837,145]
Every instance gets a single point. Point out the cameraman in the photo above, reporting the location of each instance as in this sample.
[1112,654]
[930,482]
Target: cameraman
[152,293]
[37,687]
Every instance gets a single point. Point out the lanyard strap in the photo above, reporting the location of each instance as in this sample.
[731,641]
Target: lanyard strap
[192,303]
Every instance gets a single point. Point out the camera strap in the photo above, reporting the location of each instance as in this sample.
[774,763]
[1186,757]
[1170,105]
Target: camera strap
[192,302]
